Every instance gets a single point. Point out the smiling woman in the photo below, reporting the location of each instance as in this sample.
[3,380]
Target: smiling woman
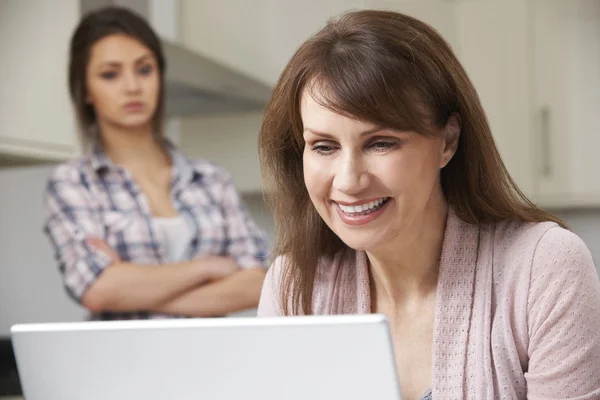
[349,168]
[390,197]
[139,229]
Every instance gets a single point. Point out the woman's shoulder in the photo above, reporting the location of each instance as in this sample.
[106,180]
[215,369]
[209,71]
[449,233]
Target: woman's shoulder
[541,255]
[543,240]
[548,287]
[72,171]
[561,250]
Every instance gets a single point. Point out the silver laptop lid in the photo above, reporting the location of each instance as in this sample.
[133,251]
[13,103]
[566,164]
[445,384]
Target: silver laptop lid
[292,358]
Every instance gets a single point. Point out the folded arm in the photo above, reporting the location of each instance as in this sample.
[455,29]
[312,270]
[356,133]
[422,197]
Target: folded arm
[237,292]
[247,245]
[92,273]
[130,287]
[96,277]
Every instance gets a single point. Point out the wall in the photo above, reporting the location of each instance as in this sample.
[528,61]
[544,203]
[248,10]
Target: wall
[230,141]
[31,289]
[262,216]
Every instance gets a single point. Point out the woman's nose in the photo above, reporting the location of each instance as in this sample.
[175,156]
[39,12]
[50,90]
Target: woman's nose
[351,175]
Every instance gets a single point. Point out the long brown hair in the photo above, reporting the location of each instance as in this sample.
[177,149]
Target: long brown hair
[94,26]
[379,67]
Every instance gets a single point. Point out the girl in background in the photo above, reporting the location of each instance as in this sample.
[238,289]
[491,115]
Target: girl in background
[139,229]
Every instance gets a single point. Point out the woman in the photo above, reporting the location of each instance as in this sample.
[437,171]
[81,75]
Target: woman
[140,230]
[390,197]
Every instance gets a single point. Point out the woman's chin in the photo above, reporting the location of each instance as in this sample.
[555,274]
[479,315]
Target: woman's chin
[135,122]
[361,241]
[134,128]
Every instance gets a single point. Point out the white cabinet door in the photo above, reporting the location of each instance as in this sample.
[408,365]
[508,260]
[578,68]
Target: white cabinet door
[36,118]
[566,75]
[491,43]
[255,37]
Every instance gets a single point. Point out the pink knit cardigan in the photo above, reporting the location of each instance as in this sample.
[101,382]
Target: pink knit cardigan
[517,312]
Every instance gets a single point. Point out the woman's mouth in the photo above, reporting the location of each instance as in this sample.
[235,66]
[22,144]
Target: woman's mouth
[362,213]
[134,107]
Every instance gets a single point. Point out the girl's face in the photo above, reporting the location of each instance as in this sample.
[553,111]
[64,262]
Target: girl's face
[122,82]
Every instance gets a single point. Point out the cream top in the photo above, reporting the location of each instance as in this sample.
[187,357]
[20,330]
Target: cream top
[175,235]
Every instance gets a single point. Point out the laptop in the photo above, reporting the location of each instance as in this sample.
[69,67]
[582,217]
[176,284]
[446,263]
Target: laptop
[292,358]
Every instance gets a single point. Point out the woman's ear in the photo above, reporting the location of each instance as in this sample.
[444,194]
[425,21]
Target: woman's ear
[451,134]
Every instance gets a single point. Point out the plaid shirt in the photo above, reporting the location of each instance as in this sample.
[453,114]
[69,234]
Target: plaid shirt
[94,197]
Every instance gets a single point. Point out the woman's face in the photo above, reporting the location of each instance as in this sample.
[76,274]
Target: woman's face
[370,185]
[122,82]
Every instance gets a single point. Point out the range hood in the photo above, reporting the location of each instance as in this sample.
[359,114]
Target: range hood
[199,86]
[195,84]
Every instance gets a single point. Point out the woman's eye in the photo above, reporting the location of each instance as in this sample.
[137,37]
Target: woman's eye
[108,75]
[382,145]
[146,70]
[323,149]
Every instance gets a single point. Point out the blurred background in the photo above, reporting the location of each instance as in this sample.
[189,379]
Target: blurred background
[535,63]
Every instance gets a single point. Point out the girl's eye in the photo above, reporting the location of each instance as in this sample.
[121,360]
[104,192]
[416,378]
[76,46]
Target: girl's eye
[108,75]
[146,70]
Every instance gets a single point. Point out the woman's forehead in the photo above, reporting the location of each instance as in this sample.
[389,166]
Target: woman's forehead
[318,118]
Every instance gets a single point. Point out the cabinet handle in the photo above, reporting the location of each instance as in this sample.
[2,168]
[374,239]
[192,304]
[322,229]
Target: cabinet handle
[546,142]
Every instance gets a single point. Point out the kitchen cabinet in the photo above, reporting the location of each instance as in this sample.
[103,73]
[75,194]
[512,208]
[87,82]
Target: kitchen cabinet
[536,67]
[566,98]
[491,43]
[35,113]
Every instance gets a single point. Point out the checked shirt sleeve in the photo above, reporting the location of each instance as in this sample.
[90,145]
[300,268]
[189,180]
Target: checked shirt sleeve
[71,217]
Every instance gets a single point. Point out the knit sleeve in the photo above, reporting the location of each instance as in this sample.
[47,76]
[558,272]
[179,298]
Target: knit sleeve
[563,320]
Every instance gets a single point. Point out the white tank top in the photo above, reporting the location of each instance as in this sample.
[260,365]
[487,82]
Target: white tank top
[175,236]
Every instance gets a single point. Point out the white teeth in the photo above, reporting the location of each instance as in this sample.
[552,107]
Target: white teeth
[361,207]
